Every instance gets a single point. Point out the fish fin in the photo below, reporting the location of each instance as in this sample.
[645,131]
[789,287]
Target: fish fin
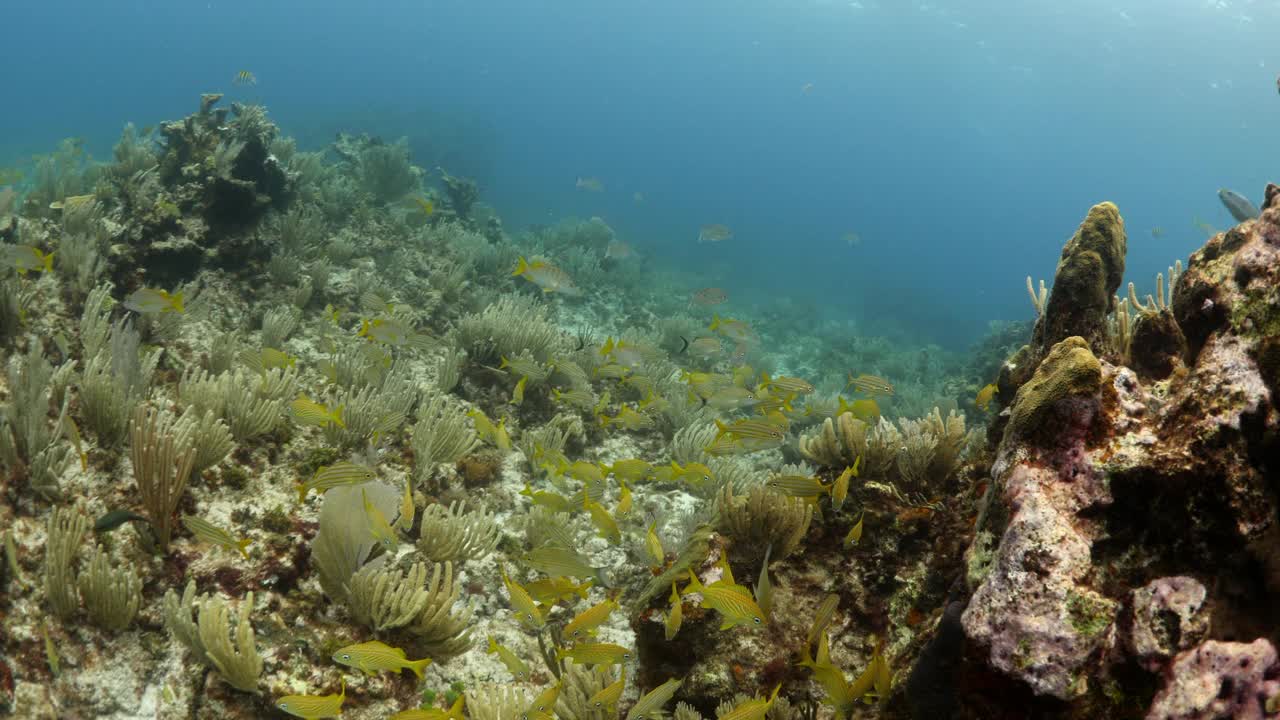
[686,345]
[175,302]
[302,494]
[241,545]
[48,261]
[417,666]
[522,267]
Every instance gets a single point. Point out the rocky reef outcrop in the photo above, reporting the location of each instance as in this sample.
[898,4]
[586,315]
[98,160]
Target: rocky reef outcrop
[1135,490]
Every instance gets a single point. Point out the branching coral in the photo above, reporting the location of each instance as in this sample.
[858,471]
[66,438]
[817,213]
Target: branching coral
[112,595]
[442,434]
[28,441]
[163,455]
[512,324]
[384,171]
[763,518]
[454,534]
[231,650]
[345,537]
[384,598]
[65,530]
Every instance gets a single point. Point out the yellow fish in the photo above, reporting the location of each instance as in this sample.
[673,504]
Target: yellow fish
[522,604]
[737,608]
[787,384]
[802,486]
[550,591]
[244,77]
[607,697]
[652,702]
[625,501]
[515,665]
[331,476]
[871,384]
[985,395]
[653,545]
[425,205]
[840,488]
[407,509]
[714,232]
[855,533]
[590,184]
[314,707]
[628,418]
[595,654]
[517,395]
[753,708]
[386,332]
[752,429]
[150,300]
[547,276]
[606,525]
[309,412]
[453,713]
[25,258]
[588,620]
[545,702]
[207,531]
[675,615]
[378,525]
[865,409]
[630,470]
[373,657]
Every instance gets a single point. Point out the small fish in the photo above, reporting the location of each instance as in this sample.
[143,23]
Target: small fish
[311,413]
[210,533]
[581,398]
[386,332]
[632,470]
[637,196]
[1204,227]
[871,385]
[550,591]
[618,250]
[314,707]
[114,519]
[407,508]
[865,409]
[739,446]
[675,615]
[427,207]
[378,525]
[735,330]
[1238,205]
[714,233]
[1157,232]
[522,603]
[735,607]
[547,276]
[501,439]
[821,618]
[855,533]
[984,396]
[840,488]
[554,560]
[798,486]
[585,622]
[373,657]
[515,665]
[517,395]
[650,704]
[708,297]
[806,88]
[453,713]
[752,429]
[613,371]
[751,709]
[628,418]
[595,654]
[590,184]
[244,77]
[525,366]
[607,697]
[852,239]
[271,359]
[625,501]
[582,470]
[50,652]
[763,588]
[550,500]
[705,347]
[606,525]
[653,545]
[787,384]
[150,301]
[25,258]
[731,398]
[545,702]
[335,475]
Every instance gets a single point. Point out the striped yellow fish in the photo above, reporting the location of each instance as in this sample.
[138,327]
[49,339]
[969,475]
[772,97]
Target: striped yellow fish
[984,397]
[587,472]
[753,708]
[751,429]
[550,500]
[607,697]
[595,654]
[554,560]
[840,488]
[737,608]
[871,385]
[550,591]
[585,622]
[763,588]
[525,609]
[309,412]
[546,276]
[373,657]
[453,713]
[632,470]
[314,707]
[407,508]
[865,409]
[210,533]
[244,77]
[855,534]
[822,618]
[526,367]
[625,501]
[653,545]
[786,384]
[335,475]
[545,702]
[675,616]
[583,399]
[651,703]
[628,418]
[798,486]
[606,525]
[515,665]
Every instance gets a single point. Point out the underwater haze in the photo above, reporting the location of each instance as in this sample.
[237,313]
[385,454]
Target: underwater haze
[960,141]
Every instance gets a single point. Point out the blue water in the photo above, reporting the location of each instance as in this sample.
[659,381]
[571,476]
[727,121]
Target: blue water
[962,141]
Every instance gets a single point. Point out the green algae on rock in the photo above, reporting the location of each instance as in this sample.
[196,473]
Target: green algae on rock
[1088,276]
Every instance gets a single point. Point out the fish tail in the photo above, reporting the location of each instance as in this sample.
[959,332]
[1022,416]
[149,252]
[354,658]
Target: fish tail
[721,427]
[302,494]
[417,666]
[48,261]
[493,645]
[522,267]
[686,345]
[175,302]
[241,545]
[455,711]
[337,417]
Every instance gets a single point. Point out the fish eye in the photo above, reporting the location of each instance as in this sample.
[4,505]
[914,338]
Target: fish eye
[756,620]
[346,656]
